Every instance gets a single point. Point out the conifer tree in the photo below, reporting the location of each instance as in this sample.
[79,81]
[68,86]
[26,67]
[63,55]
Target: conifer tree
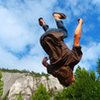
[41,94]
[98,68]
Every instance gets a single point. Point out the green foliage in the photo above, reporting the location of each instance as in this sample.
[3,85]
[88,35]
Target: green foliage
[14,70]
[46,75]
[1,84]
[86,87]
[41,94]
[34,74]
[6,96]
[19,97]
[40,75]
[98,67]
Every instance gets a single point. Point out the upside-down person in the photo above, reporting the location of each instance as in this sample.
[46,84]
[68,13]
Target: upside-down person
[62,59]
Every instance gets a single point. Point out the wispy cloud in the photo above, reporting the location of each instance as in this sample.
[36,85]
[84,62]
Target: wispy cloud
[20,32]
[91,53]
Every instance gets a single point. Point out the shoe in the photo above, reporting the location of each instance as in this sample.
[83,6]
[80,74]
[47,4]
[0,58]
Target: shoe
[60,15]
[41,21]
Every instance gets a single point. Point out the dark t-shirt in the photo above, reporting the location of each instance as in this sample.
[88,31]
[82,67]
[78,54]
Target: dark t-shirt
[62,59]
[59,53]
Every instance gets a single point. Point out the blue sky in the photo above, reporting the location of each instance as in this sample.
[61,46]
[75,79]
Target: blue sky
[20,32]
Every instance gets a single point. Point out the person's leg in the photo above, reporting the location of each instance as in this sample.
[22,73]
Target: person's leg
[76,52]
[61,26]
[59,22]
[43,24]
[77,34]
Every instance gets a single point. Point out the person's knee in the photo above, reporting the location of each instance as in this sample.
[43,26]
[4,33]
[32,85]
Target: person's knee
[77,36]
[77,40]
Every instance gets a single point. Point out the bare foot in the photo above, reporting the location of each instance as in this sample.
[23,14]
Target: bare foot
[80,20]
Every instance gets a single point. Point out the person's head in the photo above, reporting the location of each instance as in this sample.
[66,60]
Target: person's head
[65,76]
[68,81]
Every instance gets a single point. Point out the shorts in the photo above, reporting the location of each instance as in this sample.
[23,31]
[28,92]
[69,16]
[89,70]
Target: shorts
[74,57]
[65,73]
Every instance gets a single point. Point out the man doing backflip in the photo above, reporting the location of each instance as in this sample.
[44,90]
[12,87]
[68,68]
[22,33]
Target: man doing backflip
[62,59]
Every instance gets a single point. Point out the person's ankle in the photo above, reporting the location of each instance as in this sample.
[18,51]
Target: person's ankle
[57,17]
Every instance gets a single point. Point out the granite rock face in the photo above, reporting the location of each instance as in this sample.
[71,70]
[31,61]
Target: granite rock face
[9,79]
[25,84]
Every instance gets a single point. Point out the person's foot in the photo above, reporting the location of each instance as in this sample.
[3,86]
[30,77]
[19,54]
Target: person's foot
[41,21]
[58,15]
[80,20]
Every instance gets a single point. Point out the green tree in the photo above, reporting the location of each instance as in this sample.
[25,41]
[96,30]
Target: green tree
[41,94]
[19,97]
[1,84]
[86,87]
[98,68]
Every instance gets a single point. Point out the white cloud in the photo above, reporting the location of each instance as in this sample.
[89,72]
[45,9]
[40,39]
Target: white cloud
[19,28]
[29,62]
[13,34]
[91,53]
[97,3]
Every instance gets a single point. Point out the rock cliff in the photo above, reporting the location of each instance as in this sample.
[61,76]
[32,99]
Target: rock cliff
[26,84]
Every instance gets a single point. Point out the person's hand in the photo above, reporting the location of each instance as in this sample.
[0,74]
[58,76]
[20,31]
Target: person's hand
[44,61]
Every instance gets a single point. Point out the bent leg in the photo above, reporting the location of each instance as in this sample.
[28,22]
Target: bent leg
[45,27]
[59,22]
[60,25]
[77,34]
[76,52]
